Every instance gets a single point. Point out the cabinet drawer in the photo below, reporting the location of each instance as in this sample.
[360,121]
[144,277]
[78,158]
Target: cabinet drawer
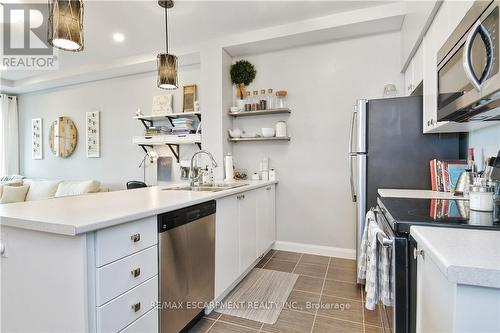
[117,242]
[146,324]
[122,275]
[125,309]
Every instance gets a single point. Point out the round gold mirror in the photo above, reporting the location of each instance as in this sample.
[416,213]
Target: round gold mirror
[63,137]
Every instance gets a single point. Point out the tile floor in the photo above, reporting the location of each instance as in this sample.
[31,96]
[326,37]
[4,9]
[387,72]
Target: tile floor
[327,283]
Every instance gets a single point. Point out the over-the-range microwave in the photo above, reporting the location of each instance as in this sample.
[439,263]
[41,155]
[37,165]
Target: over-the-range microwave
[468,70]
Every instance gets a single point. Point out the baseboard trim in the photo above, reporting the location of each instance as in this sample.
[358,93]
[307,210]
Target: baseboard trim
[315,249]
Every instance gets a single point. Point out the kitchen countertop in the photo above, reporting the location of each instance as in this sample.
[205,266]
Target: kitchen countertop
[80,214]
[464,256]
[418,194]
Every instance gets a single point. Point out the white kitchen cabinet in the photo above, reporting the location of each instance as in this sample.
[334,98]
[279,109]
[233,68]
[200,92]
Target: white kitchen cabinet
[227,254]
[414,73]
[417,19]
[445,306]
[266,219]
[247,214]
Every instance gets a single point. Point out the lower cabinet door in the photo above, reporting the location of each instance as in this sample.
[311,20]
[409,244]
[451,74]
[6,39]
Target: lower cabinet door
[125,309]
[247,211]
[227,255]
[266,219]
[146,324]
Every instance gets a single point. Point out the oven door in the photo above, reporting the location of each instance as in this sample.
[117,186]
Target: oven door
[468,73]
[395,318]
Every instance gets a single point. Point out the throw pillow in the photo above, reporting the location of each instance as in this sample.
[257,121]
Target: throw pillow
[77,188]
[42,189]
[14,193]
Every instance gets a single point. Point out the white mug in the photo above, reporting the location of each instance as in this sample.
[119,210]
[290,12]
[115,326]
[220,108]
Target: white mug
[272,174]
[255,176]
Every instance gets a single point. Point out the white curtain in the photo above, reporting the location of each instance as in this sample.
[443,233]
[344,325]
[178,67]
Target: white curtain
[9,139]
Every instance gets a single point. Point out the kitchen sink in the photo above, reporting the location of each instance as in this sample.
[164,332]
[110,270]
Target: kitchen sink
[205,188]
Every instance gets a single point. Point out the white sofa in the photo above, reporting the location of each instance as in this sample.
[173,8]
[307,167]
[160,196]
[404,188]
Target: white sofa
[18,190]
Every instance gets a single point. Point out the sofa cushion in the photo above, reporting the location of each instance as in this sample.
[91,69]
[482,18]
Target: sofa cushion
[42,189]
[77,188]
[14,193]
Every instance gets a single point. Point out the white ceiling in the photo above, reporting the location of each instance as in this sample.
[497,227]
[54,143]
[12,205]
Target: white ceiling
[190,22]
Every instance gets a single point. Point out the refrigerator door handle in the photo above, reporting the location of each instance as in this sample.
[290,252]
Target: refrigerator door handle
[351,178]
[351,134]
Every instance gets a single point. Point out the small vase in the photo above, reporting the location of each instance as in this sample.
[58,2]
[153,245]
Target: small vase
[240,103]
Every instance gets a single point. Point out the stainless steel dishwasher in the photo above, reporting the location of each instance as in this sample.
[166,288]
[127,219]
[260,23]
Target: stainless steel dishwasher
[186,264]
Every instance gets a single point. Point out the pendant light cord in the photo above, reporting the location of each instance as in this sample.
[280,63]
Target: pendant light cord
[166,28]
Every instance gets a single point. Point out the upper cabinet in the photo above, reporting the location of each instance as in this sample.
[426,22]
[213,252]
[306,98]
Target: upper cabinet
[414,72]
[417,20]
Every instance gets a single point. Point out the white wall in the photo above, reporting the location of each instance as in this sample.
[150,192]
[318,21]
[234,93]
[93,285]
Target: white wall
[323,81]
[117,99]
[486,143]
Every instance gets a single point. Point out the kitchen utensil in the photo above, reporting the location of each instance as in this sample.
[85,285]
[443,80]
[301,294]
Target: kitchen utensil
[465,179]
[281,129]
[267,132]
[235,133]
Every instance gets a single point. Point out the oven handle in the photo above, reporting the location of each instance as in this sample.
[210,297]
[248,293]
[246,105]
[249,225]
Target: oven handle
[467,56]
[384,241]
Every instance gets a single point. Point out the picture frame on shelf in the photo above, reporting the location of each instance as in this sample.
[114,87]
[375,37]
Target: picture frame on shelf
[93,134]
[189,97]
[162,105]
[37,138]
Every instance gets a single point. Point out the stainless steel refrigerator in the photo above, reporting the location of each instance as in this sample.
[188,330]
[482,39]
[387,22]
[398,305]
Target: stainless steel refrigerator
[387,149]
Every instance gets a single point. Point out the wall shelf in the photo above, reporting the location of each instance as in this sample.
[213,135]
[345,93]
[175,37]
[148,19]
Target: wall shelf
[147,120]
[287,138]
[260,112]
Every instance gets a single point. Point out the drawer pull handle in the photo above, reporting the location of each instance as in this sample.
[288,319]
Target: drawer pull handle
[136,272]
[136,307]
[135,238]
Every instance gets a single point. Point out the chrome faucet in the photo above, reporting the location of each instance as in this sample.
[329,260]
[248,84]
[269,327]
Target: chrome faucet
[191,171]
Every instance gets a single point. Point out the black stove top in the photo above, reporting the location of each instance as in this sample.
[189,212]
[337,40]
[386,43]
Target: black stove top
[404,212]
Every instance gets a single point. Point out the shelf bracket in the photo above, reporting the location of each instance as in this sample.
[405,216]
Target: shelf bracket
[176,153]
[145,121]
[198,144]
[170,121]
[144,147]
[198,115]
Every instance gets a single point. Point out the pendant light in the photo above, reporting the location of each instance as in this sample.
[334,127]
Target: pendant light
[167,63]
[66,24]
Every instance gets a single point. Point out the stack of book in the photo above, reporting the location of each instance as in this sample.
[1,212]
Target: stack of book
[156,130]
[182,126]
[444,174]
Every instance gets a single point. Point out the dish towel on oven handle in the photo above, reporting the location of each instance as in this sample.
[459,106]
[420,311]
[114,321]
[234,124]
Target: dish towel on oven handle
[372,276]
[385,272]
[362,255]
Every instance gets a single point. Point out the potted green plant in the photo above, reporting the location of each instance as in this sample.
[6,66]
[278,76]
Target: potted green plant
[242,74]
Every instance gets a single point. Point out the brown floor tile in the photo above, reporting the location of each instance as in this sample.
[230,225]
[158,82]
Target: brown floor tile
[288,256]
[213,315]
[313,259]
[373,329]
[302,301]
[269,254]
[330,325]
[202,326]
[340,308]
[372,317]
[221,327]
[342,263]
[310,284]
[311,270]
[241,321]
[262,262]
[291,322]
[280,265]
[342,289]
[342,274]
